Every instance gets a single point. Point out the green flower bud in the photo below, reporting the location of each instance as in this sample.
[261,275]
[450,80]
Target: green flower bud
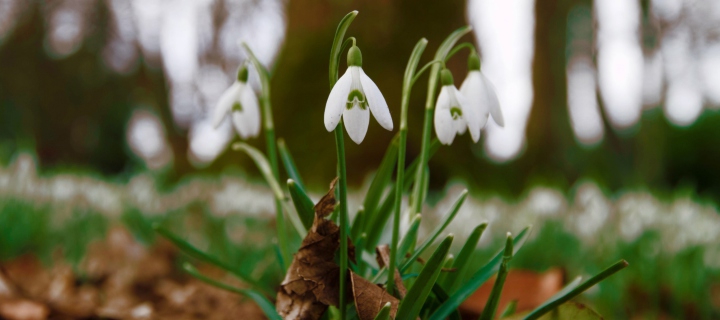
[473,61]
[242,74]
[354,57]
[446,77]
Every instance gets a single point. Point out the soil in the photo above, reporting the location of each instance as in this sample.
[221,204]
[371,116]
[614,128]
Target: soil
[118,279]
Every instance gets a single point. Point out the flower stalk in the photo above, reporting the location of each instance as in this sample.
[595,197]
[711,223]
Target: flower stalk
[418,193]
[408,81]
[342,174]
[269,128]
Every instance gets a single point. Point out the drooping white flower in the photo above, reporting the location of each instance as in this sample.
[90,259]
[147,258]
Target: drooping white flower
[454,113]
[241,103]
[353,98]
[480,93]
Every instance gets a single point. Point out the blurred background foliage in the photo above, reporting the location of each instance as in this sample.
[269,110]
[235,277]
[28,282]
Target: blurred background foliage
[115,95]
[73,111]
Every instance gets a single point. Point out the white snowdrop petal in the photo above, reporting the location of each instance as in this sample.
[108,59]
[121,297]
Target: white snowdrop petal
[250,111]
[225,103]
[356,123]
[443,120]
[493,103]
[378,105]
[470,117]
[336,101]
[475,94]
[239,121]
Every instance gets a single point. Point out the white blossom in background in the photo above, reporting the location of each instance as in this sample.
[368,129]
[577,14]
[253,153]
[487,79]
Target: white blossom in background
[585,117]
[619,60]
[10,11]
[146,138]
[66,22]
[505,34]
[120,53]
[684,96]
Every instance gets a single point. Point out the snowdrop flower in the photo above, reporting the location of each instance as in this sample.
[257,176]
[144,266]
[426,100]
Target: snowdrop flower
[351,97]
[454,113]
[481,93]
[241,102]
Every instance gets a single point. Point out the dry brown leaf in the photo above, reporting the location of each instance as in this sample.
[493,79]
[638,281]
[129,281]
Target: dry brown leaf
[529,288]
[383,259]
[312,281]
[370,298]
[23,309]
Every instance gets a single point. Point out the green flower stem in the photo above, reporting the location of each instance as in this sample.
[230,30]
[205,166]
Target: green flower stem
[424,68]
[269,128]
[440,54]
[407,88]
[340,146]
[464,45]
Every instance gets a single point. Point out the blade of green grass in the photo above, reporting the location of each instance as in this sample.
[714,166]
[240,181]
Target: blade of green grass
[447,265]
[265,305]
[196,253]
[461,262]
[356,228]
[384,313]
[303,205]
[380,182]
[492,303]
[289,164]
[442,296]
[477,279]
[383,213]
[378,222]
[439,229]
[509,310]
[415,299]
[571,292]
[409,238]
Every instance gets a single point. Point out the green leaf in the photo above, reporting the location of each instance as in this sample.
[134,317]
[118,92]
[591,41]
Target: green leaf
[384,313]
[385,211]
[446,221]
[414,300]
[357,226]
[410,237]
[265,305]
[509,309]
[461,261]
[570,292]
[442,296]
[264,166]
[337,45]
[446,266]
[289,164]
[477,279]
[381,181]
[194,252]
[492,303]
[567,311]
[303,205]
[379,220]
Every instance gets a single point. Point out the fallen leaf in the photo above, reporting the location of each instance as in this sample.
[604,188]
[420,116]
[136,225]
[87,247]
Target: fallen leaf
[312,281]
[23,309]
[383,259]
[566,311]
[529,288]
[370,298]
